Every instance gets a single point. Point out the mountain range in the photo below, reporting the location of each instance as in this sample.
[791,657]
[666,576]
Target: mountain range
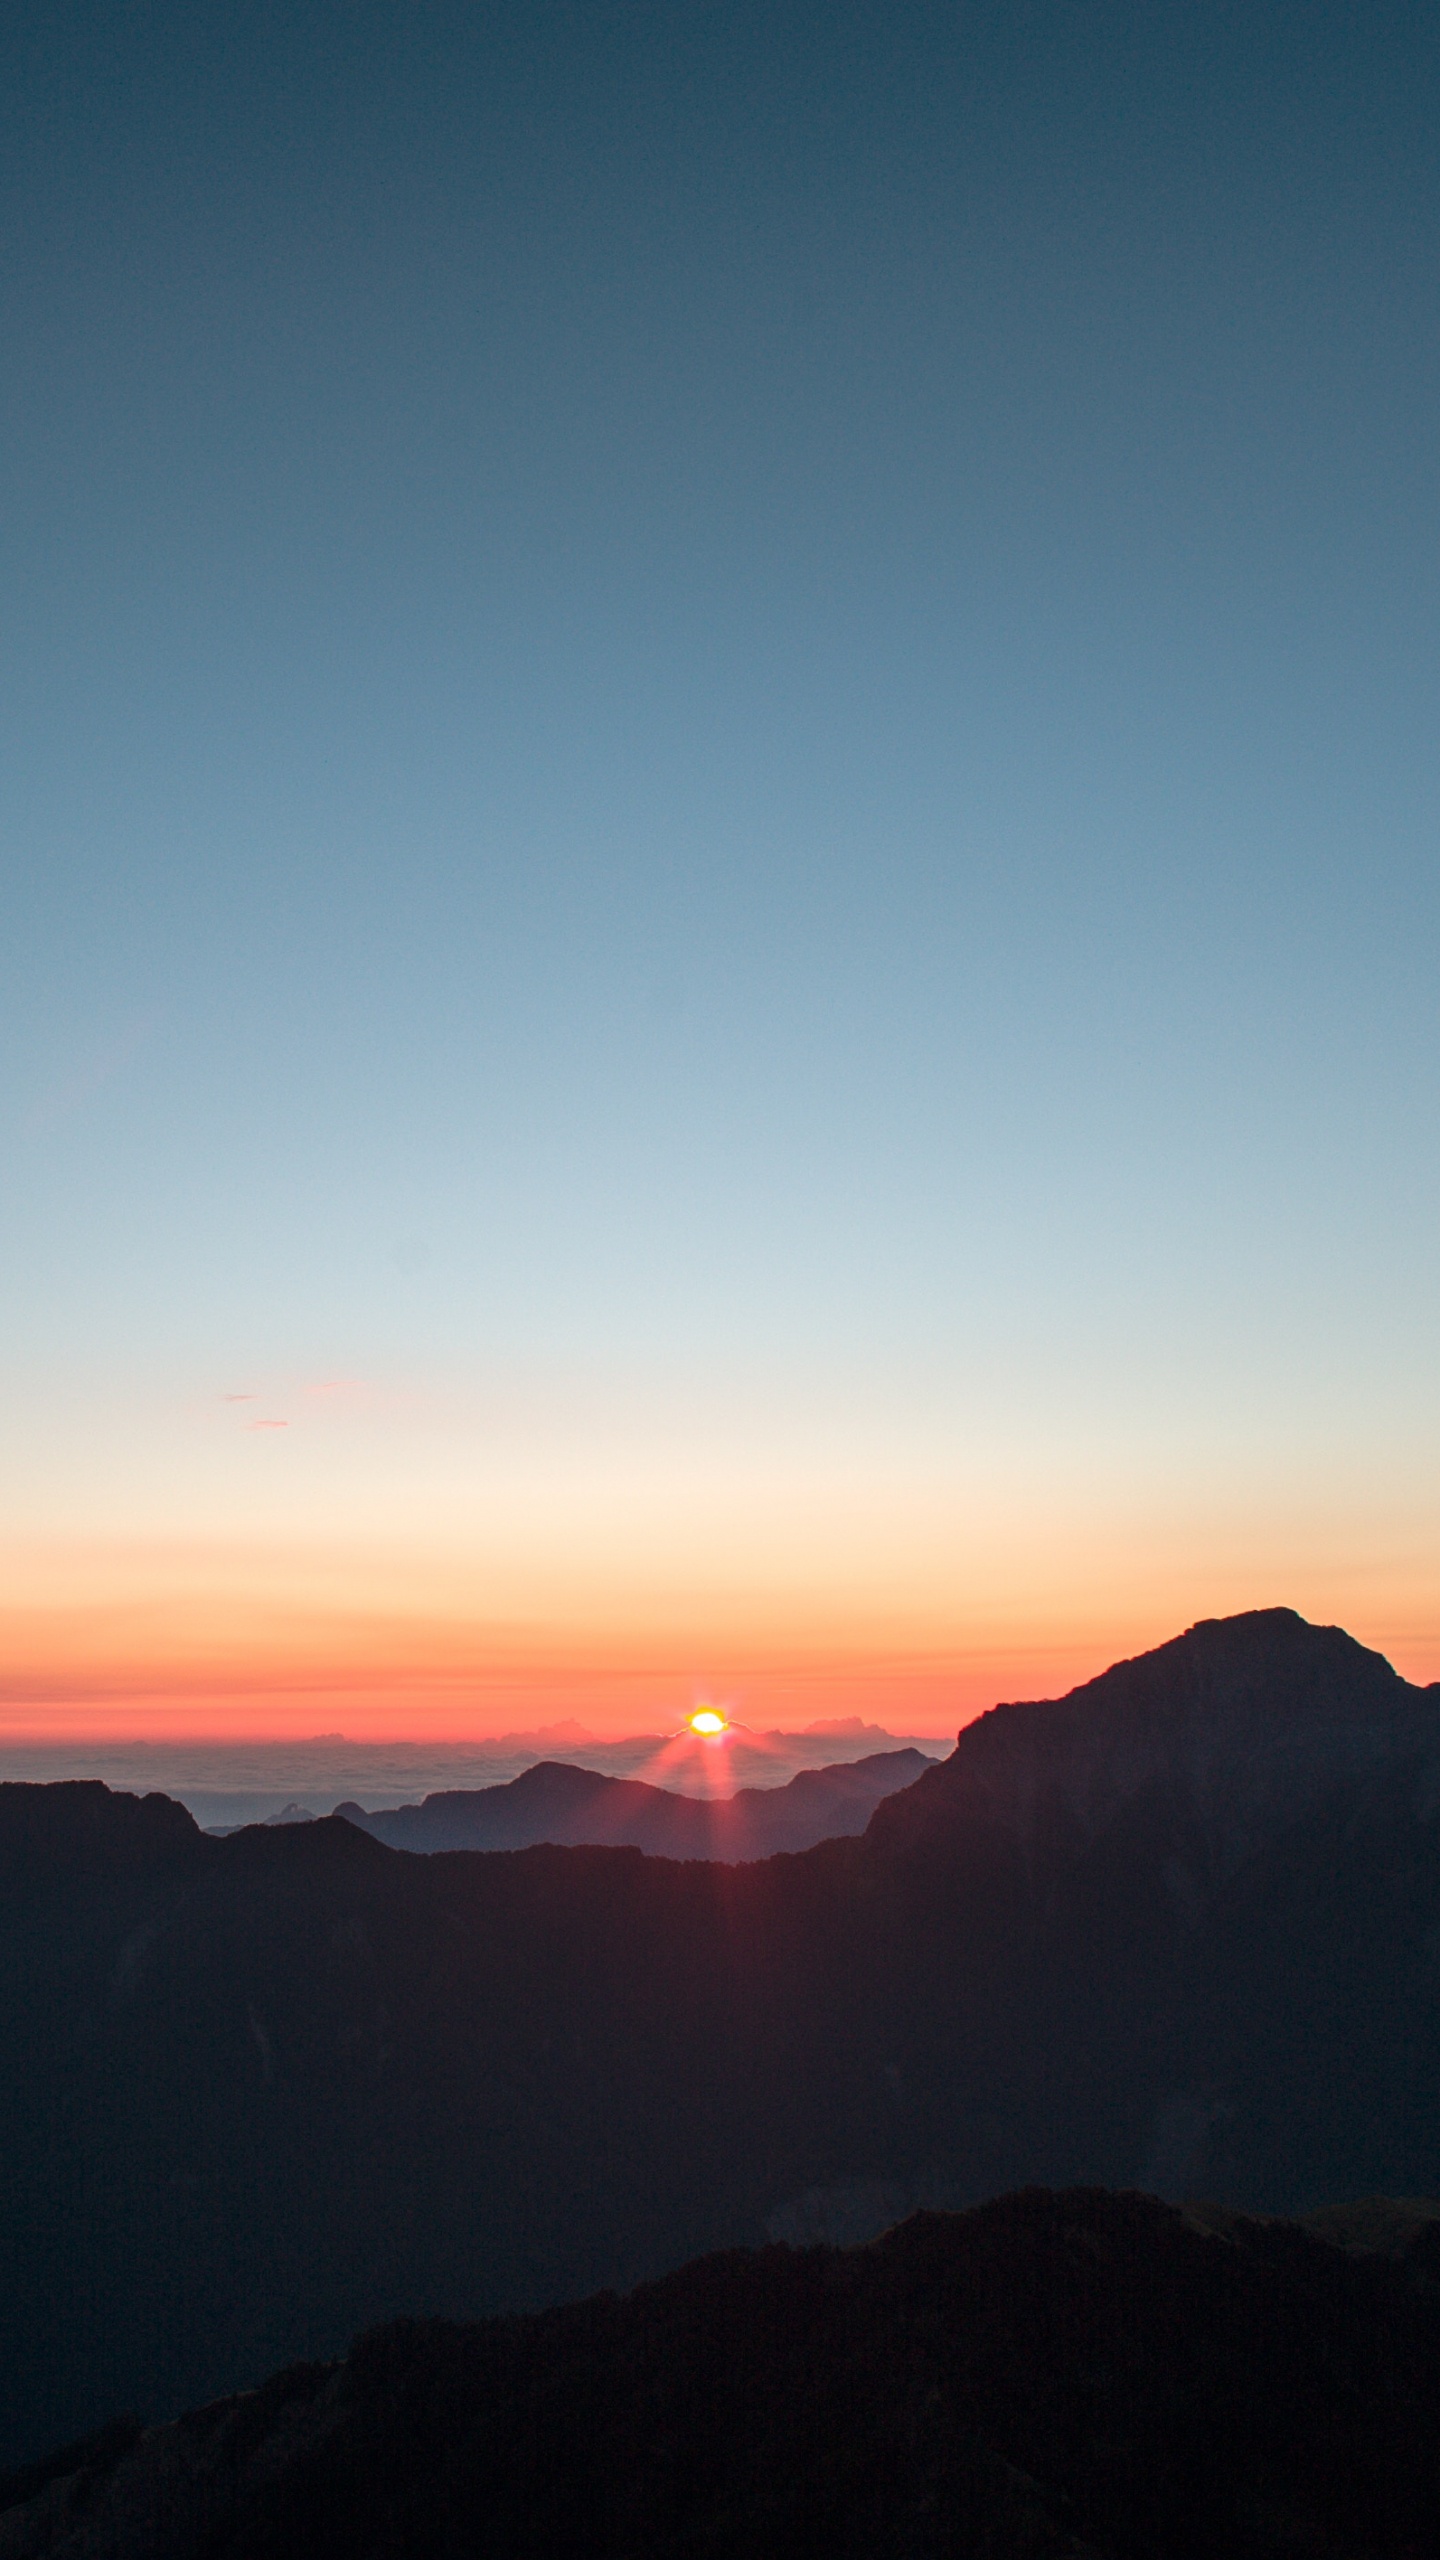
[1180,1930]
[573,1807]
[1052,2377]
[228,1783]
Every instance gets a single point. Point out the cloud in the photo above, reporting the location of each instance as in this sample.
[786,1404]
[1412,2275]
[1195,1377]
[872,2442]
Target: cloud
[87,1078]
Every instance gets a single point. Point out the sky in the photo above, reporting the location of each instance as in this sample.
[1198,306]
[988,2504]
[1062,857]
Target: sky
[718,871]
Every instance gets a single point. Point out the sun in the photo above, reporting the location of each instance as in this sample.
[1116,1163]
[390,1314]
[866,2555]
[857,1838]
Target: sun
[709,1722]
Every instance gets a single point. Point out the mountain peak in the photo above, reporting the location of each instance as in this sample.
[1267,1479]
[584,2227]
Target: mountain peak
[1235,1715]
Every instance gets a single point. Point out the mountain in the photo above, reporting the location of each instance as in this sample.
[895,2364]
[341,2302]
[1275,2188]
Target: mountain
[847,1729]
[578,1807]
[1180,1930]
[1240,1725]
[1052,2377]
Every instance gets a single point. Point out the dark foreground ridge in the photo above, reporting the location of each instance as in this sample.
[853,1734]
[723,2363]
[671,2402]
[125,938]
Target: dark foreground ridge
[579,1808]
[1049,2378]
[1178,1932]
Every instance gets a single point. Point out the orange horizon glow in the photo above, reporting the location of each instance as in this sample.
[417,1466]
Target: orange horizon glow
[394,1569]
[208,1670]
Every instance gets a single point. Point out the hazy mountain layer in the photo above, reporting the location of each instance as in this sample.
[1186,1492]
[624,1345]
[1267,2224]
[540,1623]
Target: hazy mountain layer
[227,1784]
[581,1808]
[1181,1930]
[1071,2377]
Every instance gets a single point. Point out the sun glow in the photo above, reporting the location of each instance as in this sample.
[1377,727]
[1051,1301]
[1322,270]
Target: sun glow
[708,1722]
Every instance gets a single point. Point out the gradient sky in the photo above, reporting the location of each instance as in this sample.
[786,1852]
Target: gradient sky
[718,947]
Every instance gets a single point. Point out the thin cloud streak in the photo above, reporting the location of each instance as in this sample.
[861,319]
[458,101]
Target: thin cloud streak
[89,1078]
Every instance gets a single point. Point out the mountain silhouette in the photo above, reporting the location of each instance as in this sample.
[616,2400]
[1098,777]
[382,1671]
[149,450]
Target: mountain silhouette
[1080,2376]
[573,1807]
[1180,1931]
[1238,1725]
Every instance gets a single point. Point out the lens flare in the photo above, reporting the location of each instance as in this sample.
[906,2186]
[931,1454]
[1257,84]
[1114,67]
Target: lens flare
[709,1722]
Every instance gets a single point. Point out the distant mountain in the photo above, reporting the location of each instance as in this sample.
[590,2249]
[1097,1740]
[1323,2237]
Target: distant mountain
[1180,1930]
[1054,2377]
[229,1784]
[847,1729]
[580,1808]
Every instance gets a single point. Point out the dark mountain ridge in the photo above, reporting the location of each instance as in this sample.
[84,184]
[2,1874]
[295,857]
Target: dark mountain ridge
[579,1808]
[1080,2376]
[1239,1724]
[1181,1930]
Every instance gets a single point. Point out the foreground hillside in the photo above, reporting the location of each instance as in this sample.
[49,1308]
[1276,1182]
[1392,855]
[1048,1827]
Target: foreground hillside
[579,1808]
[1050,2377]
[1179,1931]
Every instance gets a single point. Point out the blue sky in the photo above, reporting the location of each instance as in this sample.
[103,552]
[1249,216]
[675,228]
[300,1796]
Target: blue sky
[718,773]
